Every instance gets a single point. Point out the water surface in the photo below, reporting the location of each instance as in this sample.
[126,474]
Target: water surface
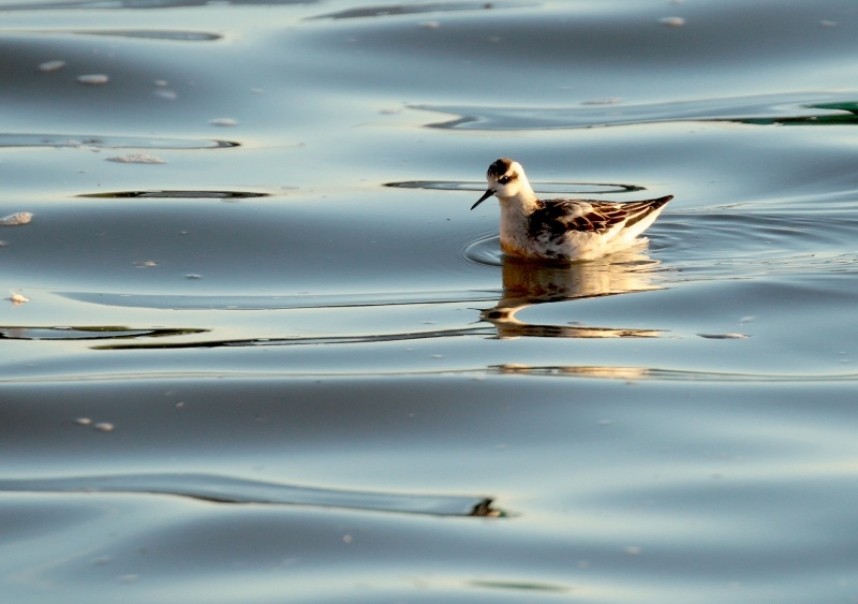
[255,347]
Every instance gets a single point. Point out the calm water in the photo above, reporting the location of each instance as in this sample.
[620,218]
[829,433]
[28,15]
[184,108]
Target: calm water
[256,349]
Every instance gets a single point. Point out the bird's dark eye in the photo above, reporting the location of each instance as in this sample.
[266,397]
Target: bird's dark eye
[504,179]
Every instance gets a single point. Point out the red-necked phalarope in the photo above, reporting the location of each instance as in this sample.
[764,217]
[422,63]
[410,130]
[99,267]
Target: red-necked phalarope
[562,230]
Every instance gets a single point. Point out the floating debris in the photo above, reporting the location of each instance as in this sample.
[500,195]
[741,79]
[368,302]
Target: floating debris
[16,219]
[145,264]
[50,66]
[18,299]
[83,421]
[224,122]
[430,25]
[93,79]
[672,21]
[136,158]
[104,427]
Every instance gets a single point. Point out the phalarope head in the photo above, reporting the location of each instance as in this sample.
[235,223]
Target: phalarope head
[506,180]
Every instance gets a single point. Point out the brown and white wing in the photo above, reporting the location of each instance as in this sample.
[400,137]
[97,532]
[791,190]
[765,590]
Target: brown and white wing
[555,218]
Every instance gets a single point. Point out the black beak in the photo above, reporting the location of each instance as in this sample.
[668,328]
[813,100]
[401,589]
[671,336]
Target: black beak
[485,196]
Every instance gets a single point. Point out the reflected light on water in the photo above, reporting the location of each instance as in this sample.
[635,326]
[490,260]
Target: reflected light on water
[527,284]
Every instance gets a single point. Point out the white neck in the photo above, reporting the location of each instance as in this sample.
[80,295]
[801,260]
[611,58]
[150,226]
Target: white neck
[514,211]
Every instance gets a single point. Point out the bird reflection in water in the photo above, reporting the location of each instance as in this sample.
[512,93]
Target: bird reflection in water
[527,284]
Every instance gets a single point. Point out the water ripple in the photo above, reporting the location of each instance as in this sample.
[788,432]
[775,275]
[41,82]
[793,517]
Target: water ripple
[667,375]
[166,194]
[485,250]
[8,139]
[565,188]
[392,10]
[153,34]
[442,334]
[18,332]
[226,489]
[253,302]
[138,4]
[796,108]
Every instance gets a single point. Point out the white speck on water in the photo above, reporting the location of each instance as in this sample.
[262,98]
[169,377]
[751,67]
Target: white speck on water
[224,122]
[16,219]
[145,264]
[50,66]
[166,94]
[83,421]
[633,550]
[136,158]
[672,21]
[193,276]
[104,427]
[18,299]
[347,538]
[93,79]
[128,578]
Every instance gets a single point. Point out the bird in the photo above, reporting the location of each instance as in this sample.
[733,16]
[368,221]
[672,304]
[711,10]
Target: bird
[562,230]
